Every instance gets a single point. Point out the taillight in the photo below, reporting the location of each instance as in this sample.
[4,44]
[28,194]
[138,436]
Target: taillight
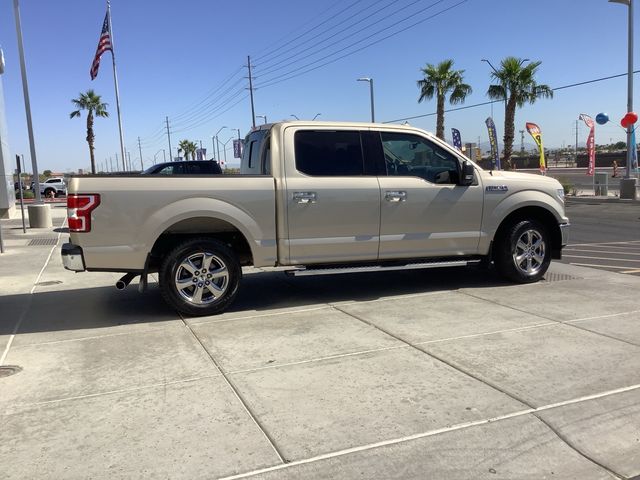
[79,208]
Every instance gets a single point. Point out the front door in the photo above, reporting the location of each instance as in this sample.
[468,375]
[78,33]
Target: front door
[424,212]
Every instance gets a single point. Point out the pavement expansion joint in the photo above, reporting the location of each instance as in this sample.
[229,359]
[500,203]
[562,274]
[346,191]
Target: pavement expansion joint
[570,444]
[439,431]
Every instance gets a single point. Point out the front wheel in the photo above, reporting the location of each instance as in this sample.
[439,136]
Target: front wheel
[200,277]
[523,253]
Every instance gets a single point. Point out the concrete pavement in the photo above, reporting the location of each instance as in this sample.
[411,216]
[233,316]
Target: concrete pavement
[447,373]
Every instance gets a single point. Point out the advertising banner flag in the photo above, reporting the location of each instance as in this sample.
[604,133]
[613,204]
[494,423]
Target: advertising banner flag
[237,149]
[634,152]
[536,133]
[591,142]
[201,154]
[457,139]
[493,140]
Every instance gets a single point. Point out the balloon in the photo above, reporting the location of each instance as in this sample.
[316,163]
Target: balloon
[602,118]
[624,122]
[632,117]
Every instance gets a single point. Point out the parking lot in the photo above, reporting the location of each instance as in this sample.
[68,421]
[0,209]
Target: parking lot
[444,373]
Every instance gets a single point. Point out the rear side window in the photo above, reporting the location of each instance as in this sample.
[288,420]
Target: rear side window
[204,168]
[329,153]
[251,164]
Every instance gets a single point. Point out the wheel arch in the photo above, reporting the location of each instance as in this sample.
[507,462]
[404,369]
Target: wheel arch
[540,214]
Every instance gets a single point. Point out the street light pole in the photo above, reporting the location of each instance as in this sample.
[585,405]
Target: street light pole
[316,116]
[370,80]
[217,143]
[27,103]
[263,117]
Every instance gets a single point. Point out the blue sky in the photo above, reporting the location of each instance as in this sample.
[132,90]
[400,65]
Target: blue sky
[172,56]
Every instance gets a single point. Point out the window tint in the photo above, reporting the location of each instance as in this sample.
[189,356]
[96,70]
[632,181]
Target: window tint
[203,168]
[411,155]
[266,157]
[326,153]
[168,170]
[252,147]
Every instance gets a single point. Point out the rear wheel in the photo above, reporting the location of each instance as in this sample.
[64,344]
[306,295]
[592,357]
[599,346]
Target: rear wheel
[523,253]
[50,193]
[200,277]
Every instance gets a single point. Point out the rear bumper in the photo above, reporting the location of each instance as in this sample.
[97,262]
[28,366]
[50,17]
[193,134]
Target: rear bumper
[72,257]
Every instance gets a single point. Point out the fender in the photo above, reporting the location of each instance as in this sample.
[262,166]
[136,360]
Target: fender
[262,243]
[494,215]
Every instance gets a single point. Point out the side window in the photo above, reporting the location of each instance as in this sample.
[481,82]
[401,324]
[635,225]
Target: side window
[329,153]
[413,156]
[168,170]
[266,157]
[254,155]
[196,168]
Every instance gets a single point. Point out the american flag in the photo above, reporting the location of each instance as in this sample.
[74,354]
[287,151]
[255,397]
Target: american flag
[104,44]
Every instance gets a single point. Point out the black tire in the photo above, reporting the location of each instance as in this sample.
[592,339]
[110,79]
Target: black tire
[523,252]
[48,191]
[193,289]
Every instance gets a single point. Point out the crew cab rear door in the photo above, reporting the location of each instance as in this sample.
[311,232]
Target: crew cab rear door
[332,196]
[424,211]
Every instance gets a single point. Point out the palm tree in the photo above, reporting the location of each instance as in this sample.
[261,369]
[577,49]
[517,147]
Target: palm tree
[94,106]
[438,81]
[516,85]
[189,148]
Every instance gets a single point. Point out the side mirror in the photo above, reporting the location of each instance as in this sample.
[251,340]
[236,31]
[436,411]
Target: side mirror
[468,174]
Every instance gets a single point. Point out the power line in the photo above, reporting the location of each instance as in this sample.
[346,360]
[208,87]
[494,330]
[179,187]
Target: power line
[271,67]
[307,32]
[296,73]
[215,116]
[500,101]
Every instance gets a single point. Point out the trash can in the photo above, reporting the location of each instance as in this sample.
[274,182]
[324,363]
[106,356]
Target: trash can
[600,184]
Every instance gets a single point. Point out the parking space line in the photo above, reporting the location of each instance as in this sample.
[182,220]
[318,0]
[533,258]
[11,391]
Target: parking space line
[611,315]
[475,335]
[598,265]
[110,392]
[632,242]
[260,315]
[30,298]
[602,258]
[430,433]
[320,359]
[600,251]
[636,270]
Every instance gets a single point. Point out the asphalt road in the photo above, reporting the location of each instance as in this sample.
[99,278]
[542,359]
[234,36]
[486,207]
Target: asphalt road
[578,177]
[605,236]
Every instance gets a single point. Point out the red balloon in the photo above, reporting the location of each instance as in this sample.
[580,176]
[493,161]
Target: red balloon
[624,122]
[632,117]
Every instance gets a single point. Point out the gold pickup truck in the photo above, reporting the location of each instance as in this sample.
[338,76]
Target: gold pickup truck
[319,197]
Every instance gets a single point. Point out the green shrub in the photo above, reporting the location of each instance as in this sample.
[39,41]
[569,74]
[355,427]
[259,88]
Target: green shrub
[567,186]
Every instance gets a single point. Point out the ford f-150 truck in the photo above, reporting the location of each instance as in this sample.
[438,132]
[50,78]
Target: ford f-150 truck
[318,197]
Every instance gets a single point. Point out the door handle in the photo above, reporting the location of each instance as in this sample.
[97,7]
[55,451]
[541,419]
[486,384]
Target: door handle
[395,196]
[304,197]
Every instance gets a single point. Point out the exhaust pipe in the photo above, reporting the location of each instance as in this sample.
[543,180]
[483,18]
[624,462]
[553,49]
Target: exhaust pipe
[125,280]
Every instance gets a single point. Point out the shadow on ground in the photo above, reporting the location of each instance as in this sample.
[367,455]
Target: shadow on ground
[101,307]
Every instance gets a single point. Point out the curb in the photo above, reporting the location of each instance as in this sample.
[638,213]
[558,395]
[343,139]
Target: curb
[600,200]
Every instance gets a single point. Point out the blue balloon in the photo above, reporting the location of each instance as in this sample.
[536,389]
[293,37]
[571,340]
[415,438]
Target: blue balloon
[602,118]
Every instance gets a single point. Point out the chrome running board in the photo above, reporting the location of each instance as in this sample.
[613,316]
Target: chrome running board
[301,272]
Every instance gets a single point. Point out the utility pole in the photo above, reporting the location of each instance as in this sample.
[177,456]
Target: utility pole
[522,143]
[213,147]
[123,169]
[253,112]
[111,163]
[129,160]
[169,137]
[140,150]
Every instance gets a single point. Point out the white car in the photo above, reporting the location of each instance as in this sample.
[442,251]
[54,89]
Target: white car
[54,186]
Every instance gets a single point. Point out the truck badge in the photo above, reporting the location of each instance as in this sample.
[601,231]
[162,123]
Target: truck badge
[497,188]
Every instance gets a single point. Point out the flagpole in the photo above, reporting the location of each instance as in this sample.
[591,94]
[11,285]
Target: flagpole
[115,81]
